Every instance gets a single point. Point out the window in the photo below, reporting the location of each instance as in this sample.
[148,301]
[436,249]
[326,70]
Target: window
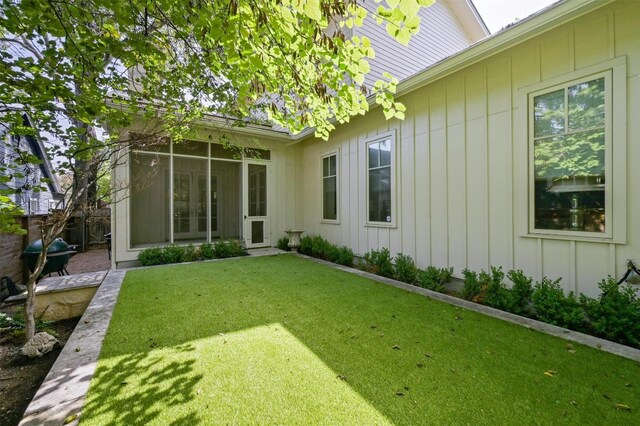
[570,130]
[330,187]
[34,206]
[380,158]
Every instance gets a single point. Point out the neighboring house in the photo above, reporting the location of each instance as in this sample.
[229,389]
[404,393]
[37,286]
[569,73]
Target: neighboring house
[33,196]
[517,151]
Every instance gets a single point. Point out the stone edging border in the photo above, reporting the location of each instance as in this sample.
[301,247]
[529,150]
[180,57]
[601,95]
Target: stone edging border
[61,395]
[574,336]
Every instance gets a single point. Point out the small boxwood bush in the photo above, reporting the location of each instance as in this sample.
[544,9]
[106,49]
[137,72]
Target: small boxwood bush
[521,293]
[190,254]
[379,262]
[552,306]
[434,278]
[173,253]
[472,287]
[405,269]
[283,244]
[306,245]
[151,256]
[231,248]
[207,252]
[615,315]
[344,256]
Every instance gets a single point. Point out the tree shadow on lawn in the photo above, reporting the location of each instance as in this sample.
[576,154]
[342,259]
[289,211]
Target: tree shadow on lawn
[141,401]
[414,359]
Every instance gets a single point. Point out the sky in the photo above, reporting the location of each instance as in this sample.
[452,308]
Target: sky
[500,13]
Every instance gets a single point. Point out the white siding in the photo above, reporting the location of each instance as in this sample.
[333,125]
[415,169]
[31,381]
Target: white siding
[441,34]
[460,178]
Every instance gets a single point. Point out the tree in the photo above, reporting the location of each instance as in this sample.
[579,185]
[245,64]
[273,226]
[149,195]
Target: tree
[76,66]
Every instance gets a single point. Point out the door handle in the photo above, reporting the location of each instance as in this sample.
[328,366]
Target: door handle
[245,216]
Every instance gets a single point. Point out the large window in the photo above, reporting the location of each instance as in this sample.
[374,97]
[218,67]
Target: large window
[330,187]
[571,132]
[380,180]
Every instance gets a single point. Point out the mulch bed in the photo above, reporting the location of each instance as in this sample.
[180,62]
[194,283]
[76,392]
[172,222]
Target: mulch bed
[20,377]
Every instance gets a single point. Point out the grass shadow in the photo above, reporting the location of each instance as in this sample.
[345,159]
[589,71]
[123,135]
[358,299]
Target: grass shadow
[135,385]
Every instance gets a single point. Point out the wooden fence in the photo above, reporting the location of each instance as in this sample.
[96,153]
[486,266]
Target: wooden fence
[12,246]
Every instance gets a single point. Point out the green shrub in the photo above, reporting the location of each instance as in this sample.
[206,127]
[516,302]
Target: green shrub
[172,253]
[231,248]
[331,252]
[8,322]
[615,315]
[207,252]
[472,288]
[321,248]
[283,244]
[306,245]
[190,254]
[237,248]
[316,246]
[222,250]
[151,256]
[379,262]
[434,278]
[521,292]
[405,269]
[487,288]
[494,291]
[345,256]
[17,321]
[553,307]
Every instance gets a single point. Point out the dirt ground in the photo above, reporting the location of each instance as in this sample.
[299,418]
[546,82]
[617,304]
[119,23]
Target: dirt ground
[21,377]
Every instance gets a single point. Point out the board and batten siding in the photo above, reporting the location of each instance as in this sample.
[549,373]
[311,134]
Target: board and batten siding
[461,178]
[441,34]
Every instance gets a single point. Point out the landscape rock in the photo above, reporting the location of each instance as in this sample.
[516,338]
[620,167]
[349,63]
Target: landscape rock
[39,345]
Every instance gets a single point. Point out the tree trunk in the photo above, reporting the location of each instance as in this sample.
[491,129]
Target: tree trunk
[29,307]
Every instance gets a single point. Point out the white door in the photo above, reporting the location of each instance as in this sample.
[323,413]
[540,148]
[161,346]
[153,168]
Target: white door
[256,219]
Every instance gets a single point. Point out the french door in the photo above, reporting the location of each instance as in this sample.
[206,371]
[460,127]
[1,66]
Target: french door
[189,205]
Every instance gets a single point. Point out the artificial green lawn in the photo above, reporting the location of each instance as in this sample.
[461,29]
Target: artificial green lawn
[283,340]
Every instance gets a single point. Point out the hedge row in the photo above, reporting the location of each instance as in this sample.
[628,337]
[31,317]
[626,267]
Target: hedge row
[401,268]
[177,254]
[614,315]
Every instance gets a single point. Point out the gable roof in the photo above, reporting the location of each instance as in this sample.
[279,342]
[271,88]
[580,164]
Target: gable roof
[470,18]
[37,147]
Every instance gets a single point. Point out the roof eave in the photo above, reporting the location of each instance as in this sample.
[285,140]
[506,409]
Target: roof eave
[524,30]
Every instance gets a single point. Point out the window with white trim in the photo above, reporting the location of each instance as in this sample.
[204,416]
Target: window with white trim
[570,152]
[380,184]
[330,187]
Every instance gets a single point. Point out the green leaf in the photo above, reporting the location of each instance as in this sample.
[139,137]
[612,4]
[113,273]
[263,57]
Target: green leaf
[312,9]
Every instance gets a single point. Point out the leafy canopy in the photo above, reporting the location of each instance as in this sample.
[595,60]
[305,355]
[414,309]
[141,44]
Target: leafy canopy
[68,65]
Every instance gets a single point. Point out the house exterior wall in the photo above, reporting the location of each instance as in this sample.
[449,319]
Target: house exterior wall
[462,159]
[441,34]
[282,192]
[31,201]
